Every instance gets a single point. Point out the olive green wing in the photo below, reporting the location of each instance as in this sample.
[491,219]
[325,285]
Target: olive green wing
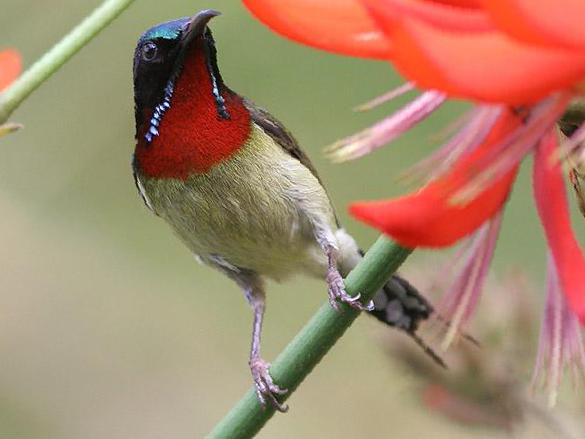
[275,129]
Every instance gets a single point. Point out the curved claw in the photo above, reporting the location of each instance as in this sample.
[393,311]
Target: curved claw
[337,293]
[266,389]
[353,299]
[354,302]
[359,305]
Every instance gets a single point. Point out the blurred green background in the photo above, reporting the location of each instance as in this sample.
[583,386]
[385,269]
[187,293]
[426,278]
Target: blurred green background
[108,326]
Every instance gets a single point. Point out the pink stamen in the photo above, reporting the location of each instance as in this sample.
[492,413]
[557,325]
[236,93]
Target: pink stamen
[460,302]
[388,129]
[514,147]
[553,209]
[386,97]
[560,338]
[479,124]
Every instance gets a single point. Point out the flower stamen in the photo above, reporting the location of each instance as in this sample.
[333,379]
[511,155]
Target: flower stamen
[560,338]
[512,149]
[460,302]
[387,129]
[386,97]
[480,121]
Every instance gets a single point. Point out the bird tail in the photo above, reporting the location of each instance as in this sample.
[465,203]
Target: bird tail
[398,304]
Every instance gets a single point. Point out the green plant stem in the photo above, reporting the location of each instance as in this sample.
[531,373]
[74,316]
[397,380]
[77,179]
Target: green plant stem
[305,351]
[51,61]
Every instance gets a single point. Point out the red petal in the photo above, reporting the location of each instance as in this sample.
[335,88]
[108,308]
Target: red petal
[460,3]
[551,201]
[486,66]
[548,22]
[444,16]
[342,26]
[10,66]
[428,217]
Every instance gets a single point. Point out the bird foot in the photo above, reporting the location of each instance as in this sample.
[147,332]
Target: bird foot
[338,294]
[266,390]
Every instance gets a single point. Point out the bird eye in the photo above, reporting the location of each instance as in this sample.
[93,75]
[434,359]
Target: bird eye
[149,51]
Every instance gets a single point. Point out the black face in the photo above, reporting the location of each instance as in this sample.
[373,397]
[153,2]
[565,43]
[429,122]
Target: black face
[155,60]
[158,60]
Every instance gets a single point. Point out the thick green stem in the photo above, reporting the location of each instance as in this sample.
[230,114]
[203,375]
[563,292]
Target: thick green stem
[305,351]
[51,61]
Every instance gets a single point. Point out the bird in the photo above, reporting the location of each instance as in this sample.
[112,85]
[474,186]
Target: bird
[236,188]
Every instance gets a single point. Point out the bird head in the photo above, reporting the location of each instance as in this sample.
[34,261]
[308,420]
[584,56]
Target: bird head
[186,118]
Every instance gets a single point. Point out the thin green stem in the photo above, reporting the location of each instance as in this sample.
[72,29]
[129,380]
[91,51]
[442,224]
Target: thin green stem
[51,61]
[305,351]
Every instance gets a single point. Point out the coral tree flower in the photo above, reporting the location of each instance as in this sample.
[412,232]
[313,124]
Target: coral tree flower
[10,67]
[521,62]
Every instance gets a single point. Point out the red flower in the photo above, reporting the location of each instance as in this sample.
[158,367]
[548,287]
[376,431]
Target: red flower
[435,219]
[346,29]
[10,66]
[522,61]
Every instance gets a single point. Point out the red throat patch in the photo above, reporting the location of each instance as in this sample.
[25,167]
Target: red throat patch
[193,137]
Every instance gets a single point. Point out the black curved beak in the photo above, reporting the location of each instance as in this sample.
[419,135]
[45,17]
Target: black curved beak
[196,25]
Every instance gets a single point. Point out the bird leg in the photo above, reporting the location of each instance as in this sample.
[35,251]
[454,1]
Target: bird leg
[266,389]
[251,284]
[334,278]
